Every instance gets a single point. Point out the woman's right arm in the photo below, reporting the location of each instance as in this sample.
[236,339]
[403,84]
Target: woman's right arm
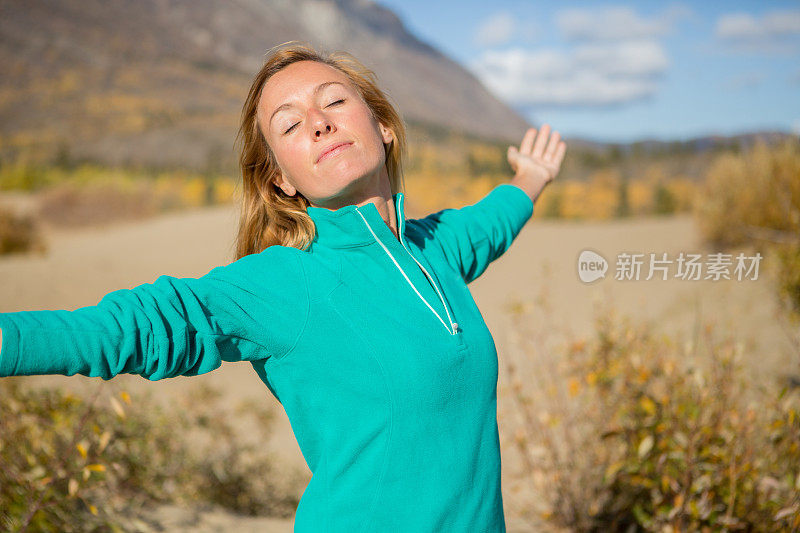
[251,309]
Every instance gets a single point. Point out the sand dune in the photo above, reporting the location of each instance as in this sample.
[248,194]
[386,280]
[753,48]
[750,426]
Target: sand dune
[83,265]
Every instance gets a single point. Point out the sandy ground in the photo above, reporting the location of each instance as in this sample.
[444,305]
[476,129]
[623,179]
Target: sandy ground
[83,265]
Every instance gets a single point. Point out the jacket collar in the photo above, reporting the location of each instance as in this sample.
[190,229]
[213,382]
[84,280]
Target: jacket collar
[350,225]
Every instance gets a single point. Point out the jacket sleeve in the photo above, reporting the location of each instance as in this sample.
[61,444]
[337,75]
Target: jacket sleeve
[251,309]
[475,235]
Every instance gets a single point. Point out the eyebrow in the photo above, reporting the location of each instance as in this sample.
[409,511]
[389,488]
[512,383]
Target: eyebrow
[316,91]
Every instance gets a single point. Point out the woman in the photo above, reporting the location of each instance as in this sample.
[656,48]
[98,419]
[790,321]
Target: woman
[358,320]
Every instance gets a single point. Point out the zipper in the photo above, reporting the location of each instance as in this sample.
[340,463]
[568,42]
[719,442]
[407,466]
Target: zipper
[453,328]
[453,324]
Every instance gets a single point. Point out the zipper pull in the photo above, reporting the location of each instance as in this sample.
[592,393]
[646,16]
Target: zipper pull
[455,327]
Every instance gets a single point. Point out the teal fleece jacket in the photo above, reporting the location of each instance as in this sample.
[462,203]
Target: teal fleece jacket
[374,346]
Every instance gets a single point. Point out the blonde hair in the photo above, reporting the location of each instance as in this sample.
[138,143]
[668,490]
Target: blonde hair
[269,216]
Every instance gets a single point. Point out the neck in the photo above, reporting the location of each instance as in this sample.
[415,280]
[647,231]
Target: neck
[381,196]
[385,203]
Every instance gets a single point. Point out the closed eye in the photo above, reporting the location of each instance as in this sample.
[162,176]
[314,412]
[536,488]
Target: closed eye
[332,103]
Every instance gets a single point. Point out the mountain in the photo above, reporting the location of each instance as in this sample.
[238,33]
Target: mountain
[162,82]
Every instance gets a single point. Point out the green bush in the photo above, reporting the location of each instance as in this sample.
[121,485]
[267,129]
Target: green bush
[664,201]
[75,464]
[24,176]
[788,256]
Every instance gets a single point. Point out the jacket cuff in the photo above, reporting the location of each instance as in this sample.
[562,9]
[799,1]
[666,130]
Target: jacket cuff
[9,352]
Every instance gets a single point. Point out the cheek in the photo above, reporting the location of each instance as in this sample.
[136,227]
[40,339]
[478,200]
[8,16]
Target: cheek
[289,156]
[370,132]
[360,119]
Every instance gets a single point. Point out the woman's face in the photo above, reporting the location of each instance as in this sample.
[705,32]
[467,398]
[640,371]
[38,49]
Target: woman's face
[302,114]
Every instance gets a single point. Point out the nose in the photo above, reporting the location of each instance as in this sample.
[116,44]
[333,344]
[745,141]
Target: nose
[321,124]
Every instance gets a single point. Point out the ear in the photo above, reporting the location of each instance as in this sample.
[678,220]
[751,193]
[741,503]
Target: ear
[386,133]
[284,185]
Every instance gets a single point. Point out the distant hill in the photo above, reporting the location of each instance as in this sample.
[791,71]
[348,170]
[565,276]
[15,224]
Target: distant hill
[162,82]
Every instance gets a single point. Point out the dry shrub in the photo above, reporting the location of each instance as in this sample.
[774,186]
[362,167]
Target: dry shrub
[600,197]
[95,464]
[19,233]
[753,199]
[427,193]
[753,195]
[630,431]
[96,202]
[93,195]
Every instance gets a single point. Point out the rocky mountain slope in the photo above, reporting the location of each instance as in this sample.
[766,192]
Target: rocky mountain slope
[161,82]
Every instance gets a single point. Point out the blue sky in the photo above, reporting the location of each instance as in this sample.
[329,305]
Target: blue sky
[621,72]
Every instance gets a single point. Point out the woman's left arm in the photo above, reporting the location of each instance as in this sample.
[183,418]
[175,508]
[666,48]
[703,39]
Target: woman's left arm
[536,163]
[473,236]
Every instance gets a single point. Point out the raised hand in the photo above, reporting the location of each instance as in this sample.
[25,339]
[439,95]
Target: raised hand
[536,163]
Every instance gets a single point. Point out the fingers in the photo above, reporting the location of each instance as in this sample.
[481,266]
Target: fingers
[559,156]
[539,146]
[527,141]
[527,147]
[512,154]
[541,141]
[551,146]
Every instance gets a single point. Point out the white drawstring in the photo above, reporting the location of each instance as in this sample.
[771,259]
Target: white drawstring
[454,326]
[449,318]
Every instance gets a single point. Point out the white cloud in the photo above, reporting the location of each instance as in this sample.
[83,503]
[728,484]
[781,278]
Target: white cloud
[615,57]
[631,58]
[675,12]
[617,23]
[745,26]
[773,32]
[748,80]
[496,30]
[609,73]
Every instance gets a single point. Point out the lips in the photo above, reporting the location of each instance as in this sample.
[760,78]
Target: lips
[327,151]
